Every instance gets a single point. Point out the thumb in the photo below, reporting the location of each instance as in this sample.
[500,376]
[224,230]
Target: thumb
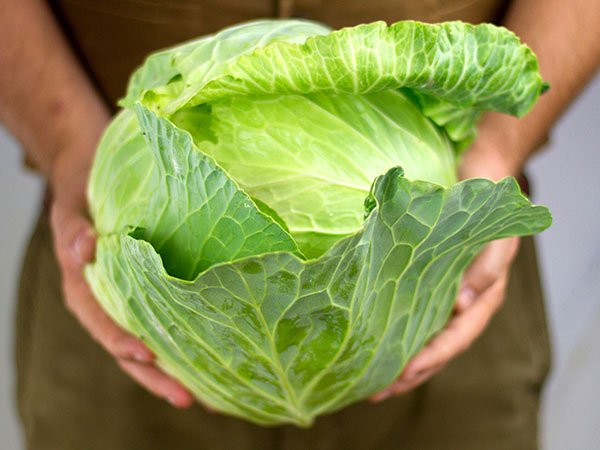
[83,244]
[483,272]
[74,236]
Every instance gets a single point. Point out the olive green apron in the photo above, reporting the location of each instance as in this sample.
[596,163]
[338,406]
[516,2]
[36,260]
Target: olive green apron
[72,395]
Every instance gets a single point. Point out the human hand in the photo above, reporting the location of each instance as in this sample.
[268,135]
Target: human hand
[480,295]
[74,243]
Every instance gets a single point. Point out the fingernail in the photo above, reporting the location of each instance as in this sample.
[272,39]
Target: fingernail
[82,247]
[141,357]
[466,297]
[171,400]
[77,247]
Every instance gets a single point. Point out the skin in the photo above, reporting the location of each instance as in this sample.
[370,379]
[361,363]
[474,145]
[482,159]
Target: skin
[49,104]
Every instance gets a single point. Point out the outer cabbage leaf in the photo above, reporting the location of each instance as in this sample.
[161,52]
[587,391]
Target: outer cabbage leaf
[172,76]
[469,66]
[456,70]
[198,249]
[276,339]
[300,120]
[123,175]
[176,197]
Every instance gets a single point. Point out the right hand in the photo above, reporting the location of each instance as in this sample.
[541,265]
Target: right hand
[74,243]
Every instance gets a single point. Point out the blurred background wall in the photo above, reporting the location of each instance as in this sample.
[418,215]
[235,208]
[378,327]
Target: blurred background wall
[566,177]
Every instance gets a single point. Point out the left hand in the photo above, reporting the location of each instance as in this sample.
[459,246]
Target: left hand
[480,295]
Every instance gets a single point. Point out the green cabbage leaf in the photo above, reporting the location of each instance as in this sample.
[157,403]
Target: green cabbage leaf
[278,208]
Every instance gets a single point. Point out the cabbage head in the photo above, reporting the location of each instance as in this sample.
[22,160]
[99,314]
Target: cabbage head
[278,209]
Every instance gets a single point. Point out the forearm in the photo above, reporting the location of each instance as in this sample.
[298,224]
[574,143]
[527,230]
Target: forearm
[46,100]
[566,38]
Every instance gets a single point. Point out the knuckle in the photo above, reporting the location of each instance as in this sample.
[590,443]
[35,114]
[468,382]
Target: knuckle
[70,306]
[443,351]
[400,388]
[487,276]
[124,364]
[63,256]
[111,343]
[447,352]
[462,346]
[117,344]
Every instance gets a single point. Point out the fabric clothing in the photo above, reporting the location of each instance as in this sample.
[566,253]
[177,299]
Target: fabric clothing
[112,37]
[72,395]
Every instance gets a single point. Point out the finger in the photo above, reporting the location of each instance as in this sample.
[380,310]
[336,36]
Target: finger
[75,245]
[460,332]
[406,384]
[158,383]
[402,385]
[485,270]
[74,236]
[116,341]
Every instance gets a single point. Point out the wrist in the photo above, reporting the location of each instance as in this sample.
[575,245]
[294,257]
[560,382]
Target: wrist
[486,160]
[498,151]
[71,158]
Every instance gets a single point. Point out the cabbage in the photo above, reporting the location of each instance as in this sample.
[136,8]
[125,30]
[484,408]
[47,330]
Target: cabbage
[278,209]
